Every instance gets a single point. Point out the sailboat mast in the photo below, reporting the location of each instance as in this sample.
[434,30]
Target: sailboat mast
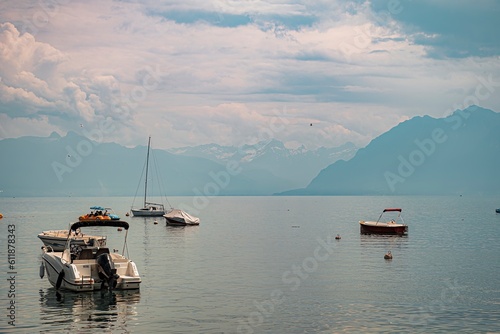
[147,167]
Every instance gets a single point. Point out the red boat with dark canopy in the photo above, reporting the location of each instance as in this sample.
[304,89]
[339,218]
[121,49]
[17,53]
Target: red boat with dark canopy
[392,227]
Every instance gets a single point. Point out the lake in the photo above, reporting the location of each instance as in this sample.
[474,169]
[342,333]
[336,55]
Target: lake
[268,265]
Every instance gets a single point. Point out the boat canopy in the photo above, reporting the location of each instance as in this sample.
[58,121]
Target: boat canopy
[97,208]
[88,223]
[392,209]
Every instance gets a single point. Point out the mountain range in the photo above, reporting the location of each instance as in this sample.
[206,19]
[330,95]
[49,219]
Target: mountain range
[75,165]
[297,166]
[458,154]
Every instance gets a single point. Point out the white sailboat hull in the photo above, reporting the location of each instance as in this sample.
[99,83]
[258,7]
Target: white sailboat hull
[147,213]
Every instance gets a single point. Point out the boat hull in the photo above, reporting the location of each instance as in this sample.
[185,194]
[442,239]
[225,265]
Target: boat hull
[147,213]
[384,229]
[174,222]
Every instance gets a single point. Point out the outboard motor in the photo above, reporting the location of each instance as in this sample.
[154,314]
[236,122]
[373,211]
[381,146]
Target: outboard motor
[107,271]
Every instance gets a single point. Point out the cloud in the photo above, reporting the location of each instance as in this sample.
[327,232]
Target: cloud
[455,29]
[16,127]
[194,72]
[35,83]
[23,61]
[233,13]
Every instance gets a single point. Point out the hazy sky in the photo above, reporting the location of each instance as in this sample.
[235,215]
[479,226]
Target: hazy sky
[233,72]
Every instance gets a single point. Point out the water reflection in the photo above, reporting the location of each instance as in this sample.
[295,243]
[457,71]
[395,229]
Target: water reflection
[85,312]
[387,242]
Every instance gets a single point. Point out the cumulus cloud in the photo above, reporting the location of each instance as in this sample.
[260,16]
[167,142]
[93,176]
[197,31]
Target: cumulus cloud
[36,83]
[22,91]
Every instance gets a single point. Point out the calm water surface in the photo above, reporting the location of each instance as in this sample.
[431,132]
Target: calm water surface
[270,265]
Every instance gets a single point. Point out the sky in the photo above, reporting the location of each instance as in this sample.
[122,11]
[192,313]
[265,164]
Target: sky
[313,73]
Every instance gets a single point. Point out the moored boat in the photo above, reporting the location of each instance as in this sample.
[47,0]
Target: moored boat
[89,268]
[99,213]
[56,239]
[177,217]
[148,209]
[392,227]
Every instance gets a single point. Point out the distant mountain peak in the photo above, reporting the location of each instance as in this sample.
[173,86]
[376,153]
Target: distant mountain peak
[54,135]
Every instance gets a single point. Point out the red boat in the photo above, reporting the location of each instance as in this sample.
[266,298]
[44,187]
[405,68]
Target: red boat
[392,227]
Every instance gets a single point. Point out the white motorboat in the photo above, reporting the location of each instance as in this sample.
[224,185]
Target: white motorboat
[56,239]
[177,217]
[148,209]
[90,268]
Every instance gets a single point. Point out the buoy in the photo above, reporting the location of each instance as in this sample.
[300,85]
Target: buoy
[119,229]
[337,237]
[155,222]
[42,270]
[388,255]
[1,216]
[127,214]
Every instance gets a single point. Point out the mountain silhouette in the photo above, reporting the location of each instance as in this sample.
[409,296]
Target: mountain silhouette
[457,154]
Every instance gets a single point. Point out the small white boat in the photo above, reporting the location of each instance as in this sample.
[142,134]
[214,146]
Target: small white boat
[177,217]
[56,239]
[87,268]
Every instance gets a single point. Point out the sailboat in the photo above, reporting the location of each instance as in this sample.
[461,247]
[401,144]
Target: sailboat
[148,209]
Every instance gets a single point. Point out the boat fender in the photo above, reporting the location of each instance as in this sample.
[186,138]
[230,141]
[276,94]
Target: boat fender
[59,279]
[42,270]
